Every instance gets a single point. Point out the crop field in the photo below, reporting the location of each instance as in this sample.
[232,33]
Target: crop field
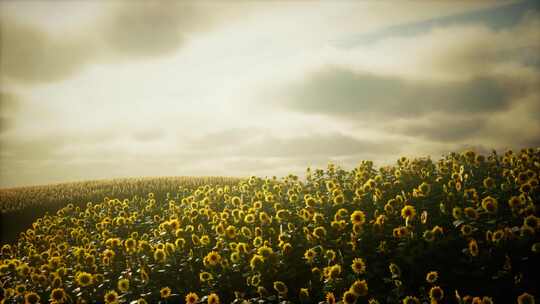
[20,206]
[460,229]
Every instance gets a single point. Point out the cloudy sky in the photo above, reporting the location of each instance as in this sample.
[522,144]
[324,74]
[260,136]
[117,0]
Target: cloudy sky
[92,89]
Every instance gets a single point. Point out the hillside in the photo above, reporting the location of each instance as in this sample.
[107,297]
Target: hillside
[462,229]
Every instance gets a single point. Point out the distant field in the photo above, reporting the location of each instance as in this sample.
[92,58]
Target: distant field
[461,229]
[20,206]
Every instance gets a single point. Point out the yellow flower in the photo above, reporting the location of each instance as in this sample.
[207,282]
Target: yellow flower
[532,222]
[334,271]
[411,300]
[205,276]
[165,292]
[58,295]
[358,217]
[319,232]
[436,293]
[123,285]
[256,261]
[84,279]
[212,258]
[339,199]
[359,288]
[192,298]
[525,298]
[489,204]
[349,297]
[358,266]
[473,247]
[160,255]
[265,251]
[310,255]
[424,188]
[330,298]
[432,277]
[111,297]
[280,287]
[408,212]
[31,298]
[213,299]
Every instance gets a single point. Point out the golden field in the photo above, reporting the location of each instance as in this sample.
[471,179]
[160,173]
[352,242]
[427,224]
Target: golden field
[461,229]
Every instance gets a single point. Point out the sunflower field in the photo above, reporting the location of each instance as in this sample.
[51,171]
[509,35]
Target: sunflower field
[20,206]
[462,229]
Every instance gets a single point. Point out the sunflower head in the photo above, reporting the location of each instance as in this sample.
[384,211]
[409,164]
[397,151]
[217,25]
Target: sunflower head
[213,299]
[111,297]
[165,292]
[358,266]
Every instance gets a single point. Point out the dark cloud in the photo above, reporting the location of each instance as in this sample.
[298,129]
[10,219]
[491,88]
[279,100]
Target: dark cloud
[342,92]
[126,30]
[150,28]
[31,55]
[443,129]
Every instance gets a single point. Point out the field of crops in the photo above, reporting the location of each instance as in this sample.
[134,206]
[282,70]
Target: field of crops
[20,206]
[461,229]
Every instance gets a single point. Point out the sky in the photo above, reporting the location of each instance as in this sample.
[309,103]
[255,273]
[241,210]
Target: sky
[95,89]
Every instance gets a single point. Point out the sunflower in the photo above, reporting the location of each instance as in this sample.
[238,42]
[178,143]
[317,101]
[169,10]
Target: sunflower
[160,255]
[525,298]
[489,182]
[205,276]
[489,204]
[213,299]
[330,298]
[58,295]
[466,230]
[256,261]
[514,202]
[31,298]
[471,213]
[359,288]
[212,258]
[349,297]
[436,293]
[424,188]
[394,270]
[192,298]
[334,271]
[319,232]
[358,266]
[111,297]
[123,285]
[165,292]
[473,247]
[358,217]
[84,279]
[310,255]
[432,277]
[408,212]
[280,287]
[411,300]
[265,251]
[532,222]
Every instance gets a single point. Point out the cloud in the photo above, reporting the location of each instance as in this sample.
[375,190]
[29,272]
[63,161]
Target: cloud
[441,128]
[342,92]
[261,143]
[152,28]
[31,55]
[118,31]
